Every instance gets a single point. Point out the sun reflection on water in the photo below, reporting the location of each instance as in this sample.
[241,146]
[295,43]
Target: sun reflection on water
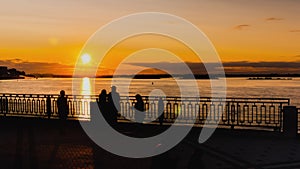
[85,87]
[86,91]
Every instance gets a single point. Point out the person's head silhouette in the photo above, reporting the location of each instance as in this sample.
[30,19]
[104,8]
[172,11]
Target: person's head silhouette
[103,92]
[62,93]
[113,88]
[138,97]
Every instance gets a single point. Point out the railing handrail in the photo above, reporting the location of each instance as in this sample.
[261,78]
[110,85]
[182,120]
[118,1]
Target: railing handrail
[286,100]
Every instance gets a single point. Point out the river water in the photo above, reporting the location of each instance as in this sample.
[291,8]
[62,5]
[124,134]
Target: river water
[236,87]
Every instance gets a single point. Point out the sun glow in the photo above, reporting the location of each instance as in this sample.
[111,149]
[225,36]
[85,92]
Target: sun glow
[86,58]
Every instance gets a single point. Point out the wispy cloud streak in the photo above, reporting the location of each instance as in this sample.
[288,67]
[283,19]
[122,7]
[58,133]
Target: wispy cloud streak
[38,67]
[274,19]
[295,31]
[242,27]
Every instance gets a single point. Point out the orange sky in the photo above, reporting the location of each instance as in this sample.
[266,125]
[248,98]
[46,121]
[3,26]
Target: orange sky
[53,32]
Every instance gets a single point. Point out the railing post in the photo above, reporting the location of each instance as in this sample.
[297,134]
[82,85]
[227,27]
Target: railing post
[48,105]
[6,106]
[2,106]
[290,121]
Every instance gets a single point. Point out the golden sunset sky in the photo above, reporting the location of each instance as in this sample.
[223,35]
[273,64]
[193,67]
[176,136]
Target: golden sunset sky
[47,36]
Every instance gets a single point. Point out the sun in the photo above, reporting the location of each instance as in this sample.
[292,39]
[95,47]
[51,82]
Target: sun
[86,58]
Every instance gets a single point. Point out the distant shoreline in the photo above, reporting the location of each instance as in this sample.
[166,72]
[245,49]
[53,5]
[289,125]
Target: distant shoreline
[159,76]
[11,78]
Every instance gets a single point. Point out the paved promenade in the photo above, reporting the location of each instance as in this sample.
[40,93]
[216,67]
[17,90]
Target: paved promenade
[33,143]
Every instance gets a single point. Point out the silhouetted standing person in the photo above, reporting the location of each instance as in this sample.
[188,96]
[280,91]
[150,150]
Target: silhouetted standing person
[62,106]
[113,105]
[139,109]
[63,109]
[160,111]
[48,103]
[103,104]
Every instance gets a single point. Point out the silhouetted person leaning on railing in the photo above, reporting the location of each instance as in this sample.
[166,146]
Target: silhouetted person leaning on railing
[139,108]
[63,109]
[62,106]
[113,105]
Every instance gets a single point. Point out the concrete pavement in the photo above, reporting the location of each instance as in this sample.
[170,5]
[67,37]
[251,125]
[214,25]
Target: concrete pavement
[39,143]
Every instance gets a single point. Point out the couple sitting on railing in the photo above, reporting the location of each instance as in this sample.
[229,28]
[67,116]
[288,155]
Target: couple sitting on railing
[109,105]
[140,109]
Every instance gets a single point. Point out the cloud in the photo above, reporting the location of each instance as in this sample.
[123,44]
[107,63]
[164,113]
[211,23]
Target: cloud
[38,67]
[181,68]
[242,27]
[274,19]
[295,30]
[171,68]
[263,64]
[229,67]
[262,67]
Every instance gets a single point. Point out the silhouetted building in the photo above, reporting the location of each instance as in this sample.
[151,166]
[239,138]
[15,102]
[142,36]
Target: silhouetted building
[3,71]
[13,72]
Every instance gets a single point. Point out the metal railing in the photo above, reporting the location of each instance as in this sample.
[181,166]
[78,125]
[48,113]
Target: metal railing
[243,112]
[43,106]
[234,112]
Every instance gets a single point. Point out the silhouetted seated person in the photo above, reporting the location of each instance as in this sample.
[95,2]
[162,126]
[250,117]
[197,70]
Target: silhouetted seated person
[139,109]
[103,105]
[160,111]
[48,103]
[113,105]
[62,106]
